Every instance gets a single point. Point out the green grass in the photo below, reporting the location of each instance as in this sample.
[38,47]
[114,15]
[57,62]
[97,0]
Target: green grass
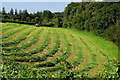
[78,52]
[43,43]
[29,42]
[50,52]
[11,33]
[8,26]
[15,67]
[16,40]
[64,53]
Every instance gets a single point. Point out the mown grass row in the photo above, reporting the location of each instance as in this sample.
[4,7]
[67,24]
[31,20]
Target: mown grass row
[64,53]
[110,67]
[10,27]
[50,52]
[17,39]
[91,64]
[44,42]
[78,58]
[11,33]
[29,42]
[48,62]
[69,65]
[92,60]
[36,58]
[109,70]
[73,63]
[17,34]
[51,64]
[51,48]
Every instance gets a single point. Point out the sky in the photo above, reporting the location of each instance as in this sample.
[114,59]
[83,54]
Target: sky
[37,5]
[40,0]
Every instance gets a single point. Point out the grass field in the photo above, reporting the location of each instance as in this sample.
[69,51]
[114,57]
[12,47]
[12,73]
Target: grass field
[45,52]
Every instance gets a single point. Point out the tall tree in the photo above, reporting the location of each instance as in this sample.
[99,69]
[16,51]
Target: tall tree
[11,11]
[47,14]
[20,12]
[3,11]
[25,13]
[15,11]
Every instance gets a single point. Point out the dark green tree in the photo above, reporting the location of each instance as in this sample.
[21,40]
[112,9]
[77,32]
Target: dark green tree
[25,14]
[20,12]
[3,11]
[15,11]
[11,12]
[47,14]
[28,19]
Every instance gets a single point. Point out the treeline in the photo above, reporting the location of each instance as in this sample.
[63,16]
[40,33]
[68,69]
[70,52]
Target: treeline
[46,18]
[100,18]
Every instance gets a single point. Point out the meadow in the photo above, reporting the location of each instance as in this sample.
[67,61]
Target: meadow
[46,52]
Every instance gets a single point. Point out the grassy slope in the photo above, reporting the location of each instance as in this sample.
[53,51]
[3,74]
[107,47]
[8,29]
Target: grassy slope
[106,46]
[88,38]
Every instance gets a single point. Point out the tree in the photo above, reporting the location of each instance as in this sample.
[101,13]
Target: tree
[11,11]
[3,11]
[28,19]
[25,14]
[20,12]
[47,14]
[36,19]
[15,11]
[4,17]
[55,22]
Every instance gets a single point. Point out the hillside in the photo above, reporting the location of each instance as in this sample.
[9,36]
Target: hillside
[44,52]
[100,18]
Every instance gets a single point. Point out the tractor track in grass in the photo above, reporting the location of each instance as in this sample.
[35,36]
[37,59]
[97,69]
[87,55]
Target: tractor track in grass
[6,31]
[36,44]
[47,47]
[42,52]
[85,53]
[17,34]
[33,46]
[57,53]
[98,68]
[10,30]
[10,34]
[71,55]
[72,49]
[3,27]
[27,37]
